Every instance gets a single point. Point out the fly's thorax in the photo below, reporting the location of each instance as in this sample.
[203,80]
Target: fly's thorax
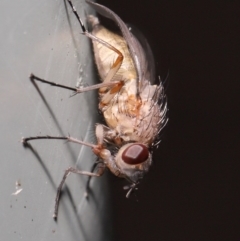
[133,118]
[133,160]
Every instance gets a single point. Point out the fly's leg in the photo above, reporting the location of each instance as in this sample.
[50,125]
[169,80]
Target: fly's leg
[67,172]
[67,138]
[99,150]
[117,63]
[89,179]
[102,133]
[96,149]
[75,90]
[107,83]
[96,164]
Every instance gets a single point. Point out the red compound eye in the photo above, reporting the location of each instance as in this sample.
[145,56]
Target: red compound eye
[135,154]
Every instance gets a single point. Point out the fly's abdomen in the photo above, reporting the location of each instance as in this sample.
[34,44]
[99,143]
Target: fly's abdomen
[106,57]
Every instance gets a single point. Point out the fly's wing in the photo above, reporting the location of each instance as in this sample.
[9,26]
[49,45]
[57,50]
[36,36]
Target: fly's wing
[148,62]
[135,48]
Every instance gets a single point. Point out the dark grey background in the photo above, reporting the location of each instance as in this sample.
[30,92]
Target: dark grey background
[192,190]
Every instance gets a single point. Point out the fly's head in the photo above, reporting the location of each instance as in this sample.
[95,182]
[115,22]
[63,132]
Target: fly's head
[133,161]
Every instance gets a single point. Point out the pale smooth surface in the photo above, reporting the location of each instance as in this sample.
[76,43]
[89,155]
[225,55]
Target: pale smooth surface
[43,37]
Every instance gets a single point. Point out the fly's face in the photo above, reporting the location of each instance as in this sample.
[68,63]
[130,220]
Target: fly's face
[131,160]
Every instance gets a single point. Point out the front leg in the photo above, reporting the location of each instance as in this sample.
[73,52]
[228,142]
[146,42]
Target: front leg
[99,173]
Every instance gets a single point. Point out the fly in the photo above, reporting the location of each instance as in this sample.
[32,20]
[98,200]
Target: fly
[133,107]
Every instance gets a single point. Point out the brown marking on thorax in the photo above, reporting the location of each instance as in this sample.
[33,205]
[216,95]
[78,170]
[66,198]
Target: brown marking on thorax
[133,105]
